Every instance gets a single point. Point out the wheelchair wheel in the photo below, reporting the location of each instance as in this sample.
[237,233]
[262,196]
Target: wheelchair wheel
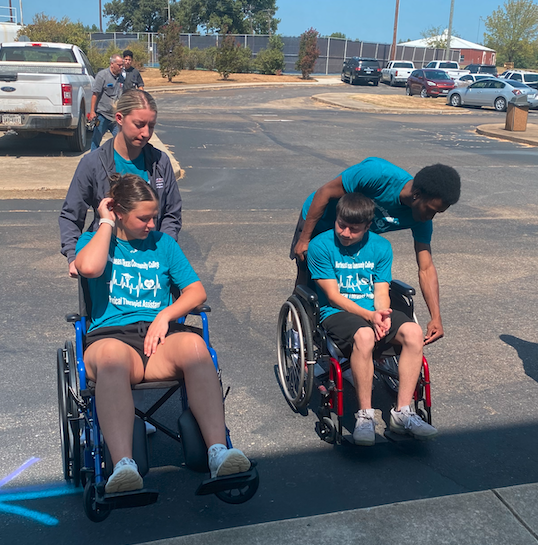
[94,511]
[389,364]
[326,429]
[295,353]
[68,414]
[240,495]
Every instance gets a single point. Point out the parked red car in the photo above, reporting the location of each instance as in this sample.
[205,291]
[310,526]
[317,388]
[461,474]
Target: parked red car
[429,82]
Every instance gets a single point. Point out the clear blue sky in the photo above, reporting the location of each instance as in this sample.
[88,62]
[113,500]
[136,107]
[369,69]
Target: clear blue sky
[371,21]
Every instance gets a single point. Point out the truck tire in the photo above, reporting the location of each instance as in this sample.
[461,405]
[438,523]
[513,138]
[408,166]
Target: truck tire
[77,142]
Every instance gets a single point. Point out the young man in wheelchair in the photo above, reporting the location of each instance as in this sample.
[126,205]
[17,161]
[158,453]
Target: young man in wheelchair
[351,267]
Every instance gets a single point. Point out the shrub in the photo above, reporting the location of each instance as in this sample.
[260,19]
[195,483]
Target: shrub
[192,58]
[308,53]
[271,60]
[208,58]
[171,50]
[244,60]
[228,56]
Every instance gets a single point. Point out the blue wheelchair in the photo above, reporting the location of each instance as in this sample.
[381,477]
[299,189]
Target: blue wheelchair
[85,457]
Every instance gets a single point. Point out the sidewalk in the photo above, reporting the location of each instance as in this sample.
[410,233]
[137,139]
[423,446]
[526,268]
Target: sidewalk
[507,516]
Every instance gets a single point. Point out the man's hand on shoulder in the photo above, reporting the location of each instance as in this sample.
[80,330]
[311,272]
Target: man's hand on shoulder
[434,331]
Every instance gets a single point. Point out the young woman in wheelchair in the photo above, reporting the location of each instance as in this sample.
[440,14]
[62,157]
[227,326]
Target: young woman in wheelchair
[133,335]
[351,267]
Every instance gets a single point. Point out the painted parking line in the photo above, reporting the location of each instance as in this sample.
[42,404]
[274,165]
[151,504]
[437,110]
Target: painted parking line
[24,495]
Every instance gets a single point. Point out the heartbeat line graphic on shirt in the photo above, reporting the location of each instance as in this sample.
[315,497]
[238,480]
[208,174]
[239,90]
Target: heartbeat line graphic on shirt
[126,282]
[353,282]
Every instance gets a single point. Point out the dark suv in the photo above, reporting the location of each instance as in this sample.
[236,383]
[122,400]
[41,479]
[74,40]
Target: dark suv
[357,69]
[482,69]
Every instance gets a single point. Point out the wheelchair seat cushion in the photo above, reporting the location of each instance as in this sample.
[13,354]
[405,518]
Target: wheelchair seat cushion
[134,335]
[342,326]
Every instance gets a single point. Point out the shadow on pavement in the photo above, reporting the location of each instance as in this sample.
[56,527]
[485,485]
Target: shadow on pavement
[527,352]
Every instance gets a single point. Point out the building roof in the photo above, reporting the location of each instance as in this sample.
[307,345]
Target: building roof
[455,43]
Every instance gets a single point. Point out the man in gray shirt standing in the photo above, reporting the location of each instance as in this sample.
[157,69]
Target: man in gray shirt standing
[107,89]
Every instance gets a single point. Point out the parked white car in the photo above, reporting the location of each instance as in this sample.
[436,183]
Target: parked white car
[450,67]
[467,79]
[528,78]
[45,88]
[397,72]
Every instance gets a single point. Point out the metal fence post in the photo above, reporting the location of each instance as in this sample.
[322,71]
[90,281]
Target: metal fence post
[328,53]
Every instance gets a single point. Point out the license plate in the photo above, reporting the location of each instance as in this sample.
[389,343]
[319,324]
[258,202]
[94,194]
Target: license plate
[10,119]
[368,70]
[444,92]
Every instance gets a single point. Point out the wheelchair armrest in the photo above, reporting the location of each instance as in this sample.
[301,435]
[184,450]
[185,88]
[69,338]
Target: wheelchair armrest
[402,288]
[305,293]
[199,309]
[72,318]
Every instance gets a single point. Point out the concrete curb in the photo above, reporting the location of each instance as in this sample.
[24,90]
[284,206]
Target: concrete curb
[343,100]
[497,130]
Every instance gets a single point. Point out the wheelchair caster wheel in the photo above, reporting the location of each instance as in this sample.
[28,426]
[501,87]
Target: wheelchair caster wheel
[243,492]
[94,511]
[326,429]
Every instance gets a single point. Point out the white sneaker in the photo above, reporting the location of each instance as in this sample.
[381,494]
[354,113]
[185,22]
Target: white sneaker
[406,421]
[364,432]
[224,461]
[125,477]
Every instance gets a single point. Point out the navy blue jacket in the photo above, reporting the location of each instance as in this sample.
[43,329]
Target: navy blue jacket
[91,183]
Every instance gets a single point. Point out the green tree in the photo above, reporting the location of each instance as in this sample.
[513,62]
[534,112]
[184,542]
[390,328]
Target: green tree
[308,53]
[171,50]
[137,15]
[512,31]
[436,36]
[228,57]
[271,60]
[338,35]
[49,29]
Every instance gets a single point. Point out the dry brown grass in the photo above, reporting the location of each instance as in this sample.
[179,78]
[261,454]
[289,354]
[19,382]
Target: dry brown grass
[152,78]
[403,102]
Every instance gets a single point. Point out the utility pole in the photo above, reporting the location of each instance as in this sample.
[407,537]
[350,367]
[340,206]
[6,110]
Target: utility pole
[100,17]
[168,11]
[449,34]
[393,50]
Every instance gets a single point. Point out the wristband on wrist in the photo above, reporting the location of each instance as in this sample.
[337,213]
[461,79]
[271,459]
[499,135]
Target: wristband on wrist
[108,222]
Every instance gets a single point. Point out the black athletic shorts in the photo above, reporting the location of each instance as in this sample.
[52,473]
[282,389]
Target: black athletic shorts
[342,327]
[133,335]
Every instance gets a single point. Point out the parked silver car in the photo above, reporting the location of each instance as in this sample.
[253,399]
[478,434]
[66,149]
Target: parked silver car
[467,79]
[493,92]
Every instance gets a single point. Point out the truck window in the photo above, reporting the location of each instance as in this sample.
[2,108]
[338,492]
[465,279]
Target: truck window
[402,65]
[448,65]
[36,54]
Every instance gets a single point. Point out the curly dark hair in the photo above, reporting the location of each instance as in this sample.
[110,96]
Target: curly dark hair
[438,182]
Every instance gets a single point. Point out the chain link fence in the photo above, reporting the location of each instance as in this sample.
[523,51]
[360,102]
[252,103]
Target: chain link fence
[333,51]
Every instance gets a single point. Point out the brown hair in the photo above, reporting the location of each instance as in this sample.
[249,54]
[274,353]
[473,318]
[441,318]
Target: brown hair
[128,190]
[355,208]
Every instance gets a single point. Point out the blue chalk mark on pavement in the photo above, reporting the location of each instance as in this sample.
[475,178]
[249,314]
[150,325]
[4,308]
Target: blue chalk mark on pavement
[26,494]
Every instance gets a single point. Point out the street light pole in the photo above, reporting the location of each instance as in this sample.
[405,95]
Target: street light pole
[393,50]
[100,17]
[168,11]
[449,34]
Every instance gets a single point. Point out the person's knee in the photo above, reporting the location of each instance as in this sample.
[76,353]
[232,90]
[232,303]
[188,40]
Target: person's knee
[191,350]
[411,336]
[364,340]
[112,356]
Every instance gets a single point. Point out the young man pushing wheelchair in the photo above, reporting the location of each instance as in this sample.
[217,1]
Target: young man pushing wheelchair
[351,267]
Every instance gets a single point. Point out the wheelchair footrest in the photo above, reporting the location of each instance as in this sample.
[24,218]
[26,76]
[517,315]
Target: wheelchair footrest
[228,482]
[134,498]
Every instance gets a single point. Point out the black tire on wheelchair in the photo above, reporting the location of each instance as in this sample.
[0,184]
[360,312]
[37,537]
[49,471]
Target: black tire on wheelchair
[295,348]
[62,411]
[326,429]
[94,511]
[74,445]
[240,495]
[194,447]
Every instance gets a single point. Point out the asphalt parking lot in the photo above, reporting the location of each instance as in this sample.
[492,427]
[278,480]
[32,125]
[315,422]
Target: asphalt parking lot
[250,158]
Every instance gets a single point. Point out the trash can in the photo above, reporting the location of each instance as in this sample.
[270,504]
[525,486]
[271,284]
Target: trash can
[517,112]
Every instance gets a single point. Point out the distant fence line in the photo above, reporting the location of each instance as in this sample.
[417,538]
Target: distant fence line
[332,50]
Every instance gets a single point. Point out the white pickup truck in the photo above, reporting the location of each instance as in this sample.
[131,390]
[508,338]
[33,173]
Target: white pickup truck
[397,72]
[45,88]
[450,67]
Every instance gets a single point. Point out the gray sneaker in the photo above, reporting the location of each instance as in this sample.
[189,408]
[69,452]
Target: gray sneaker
[407,421]
[364,432]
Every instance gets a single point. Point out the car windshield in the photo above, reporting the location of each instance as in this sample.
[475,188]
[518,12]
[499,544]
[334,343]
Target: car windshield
[403,65]
[369,63]
[36,54]
[436,74]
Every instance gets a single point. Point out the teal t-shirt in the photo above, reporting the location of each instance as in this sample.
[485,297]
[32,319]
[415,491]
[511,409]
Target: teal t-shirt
[356,268]
[382,182]
[124,166]
[135,285]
